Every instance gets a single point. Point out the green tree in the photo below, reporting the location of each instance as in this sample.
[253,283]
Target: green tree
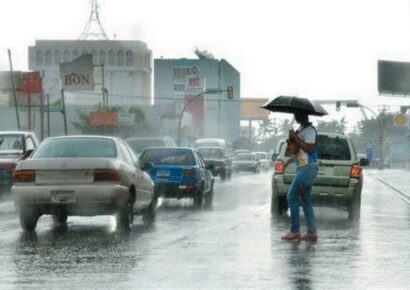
[265,129]
[333,126]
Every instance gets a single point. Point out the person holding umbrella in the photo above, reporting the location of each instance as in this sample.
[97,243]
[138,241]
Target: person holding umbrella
[306,158]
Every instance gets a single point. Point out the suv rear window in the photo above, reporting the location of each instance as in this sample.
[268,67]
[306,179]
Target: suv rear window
[330,148]
[333,148]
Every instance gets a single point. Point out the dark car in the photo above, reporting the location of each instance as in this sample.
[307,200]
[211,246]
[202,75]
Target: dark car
[180,173]
[14,146]
[216,159]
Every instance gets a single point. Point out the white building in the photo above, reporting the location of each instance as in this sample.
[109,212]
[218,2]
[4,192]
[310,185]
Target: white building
[127,69]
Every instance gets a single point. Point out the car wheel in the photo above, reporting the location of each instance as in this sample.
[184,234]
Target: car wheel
[148,215]
[279,206]
[28,219]
[354,208]
[223,175]
[60,218]
[209,197]
[125,217]
[199,198]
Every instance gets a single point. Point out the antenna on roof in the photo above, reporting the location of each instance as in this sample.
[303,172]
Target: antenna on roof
[93,30]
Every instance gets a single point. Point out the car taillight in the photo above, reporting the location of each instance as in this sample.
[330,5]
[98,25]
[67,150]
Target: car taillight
[279,167]
[188,172]
[24,176]
[106,175]
[356,171]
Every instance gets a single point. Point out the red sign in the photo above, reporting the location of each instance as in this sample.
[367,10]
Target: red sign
[102,119]
[31,82]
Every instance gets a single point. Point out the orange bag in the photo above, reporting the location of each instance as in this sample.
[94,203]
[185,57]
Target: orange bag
[293,147]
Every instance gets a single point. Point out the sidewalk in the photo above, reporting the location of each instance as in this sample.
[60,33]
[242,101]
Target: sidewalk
[396,179]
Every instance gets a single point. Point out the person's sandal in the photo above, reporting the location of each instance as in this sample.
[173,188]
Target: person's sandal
[309,237]
[291,236]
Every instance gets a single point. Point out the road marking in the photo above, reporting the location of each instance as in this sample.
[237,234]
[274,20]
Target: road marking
[397,191]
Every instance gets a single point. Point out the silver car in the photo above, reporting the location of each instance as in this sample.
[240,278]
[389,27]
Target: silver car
[83,176]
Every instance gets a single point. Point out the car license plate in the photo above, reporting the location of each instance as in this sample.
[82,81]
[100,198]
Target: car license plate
[163,173]
[62,196]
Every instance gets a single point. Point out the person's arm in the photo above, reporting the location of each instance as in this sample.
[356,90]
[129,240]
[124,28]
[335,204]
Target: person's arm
[307,147]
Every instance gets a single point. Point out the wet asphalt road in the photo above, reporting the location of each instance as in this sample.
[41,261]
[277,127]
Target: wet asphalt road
[236,245]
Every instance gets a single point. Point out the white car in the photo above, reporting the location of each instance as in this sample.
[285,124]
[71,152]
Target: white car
[83,176]
[263,158]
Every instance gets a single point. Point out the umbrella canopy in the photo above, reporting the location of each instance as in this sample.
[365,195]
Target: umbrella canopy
[289,104]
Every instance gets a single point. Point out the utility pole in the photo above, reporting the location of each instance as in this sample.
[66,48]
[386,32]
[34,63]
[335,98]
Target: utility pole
[14,90]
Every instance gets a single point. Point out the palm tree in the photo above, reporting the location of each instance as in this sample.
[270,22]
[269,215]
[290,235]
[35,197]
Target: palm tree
[265,128]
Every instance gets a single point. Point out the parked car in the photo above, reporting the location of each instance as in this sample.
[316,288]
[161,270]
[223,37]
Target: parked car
[14,146]
[338,184]
[179,173]
[216,158]
[83,176]
[263,158]
[139,144]
[246,162]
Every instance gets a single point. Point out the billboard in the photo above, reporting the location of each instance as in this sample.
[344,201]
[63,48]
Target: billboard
[31,82]
[195,85]
[102,119]
[78,74]
[393,77]
[251,108]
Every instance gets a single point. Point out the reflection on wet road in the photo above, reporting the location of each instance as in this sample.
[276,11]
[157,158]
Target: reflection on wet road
[235,245]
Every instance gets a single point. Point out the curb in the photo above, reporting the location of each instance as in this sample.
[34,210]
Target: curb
[399,192]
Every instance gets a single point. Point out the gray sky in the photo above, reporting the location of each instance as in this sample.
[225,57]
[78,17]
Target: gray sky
[317,48]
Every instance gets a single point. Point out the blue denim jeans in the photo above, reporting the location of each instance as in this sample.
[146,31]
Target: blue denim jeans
[300,194]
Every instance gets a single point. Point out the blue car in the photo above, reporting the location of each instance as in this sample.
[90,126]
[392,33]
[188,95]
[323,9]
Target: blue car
[180,173]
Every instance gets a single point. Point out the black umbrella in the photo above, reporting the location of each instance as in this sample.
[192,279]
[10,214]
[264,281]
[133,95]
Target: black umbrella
[289,104]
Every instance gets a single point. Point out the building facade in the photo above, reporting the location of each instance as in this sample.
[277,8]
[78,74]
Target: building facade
[213,115]
[127,69]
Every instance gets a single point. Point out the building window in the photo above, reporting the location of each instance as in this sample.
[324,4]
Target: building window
[103,57]
[180,73]
[76,53]
[39,57]
[179,87]
[120,58]
[57,57]
[66,56]
[129,58]
[48,57]
[111,57]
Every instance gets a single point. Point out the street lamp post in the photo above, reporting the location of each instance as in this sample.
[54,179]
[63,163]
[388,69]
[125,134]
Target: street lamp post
[209,91]
[357,105]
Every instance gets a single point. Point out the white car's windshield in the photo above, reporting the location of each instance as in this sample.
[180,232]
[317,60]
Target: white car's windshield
[11,144]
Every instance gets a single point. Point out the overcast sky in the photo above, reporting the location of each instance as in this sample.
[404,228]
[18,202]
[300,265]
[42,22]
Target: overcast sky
[316,48]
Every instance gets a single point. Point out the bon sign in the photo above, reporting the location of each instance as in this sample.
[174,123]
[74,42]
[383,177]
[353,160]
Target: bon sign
[78,74]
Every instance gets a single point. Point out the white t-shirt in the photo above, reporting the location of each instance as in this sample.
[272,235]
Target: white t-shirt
[307,134]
